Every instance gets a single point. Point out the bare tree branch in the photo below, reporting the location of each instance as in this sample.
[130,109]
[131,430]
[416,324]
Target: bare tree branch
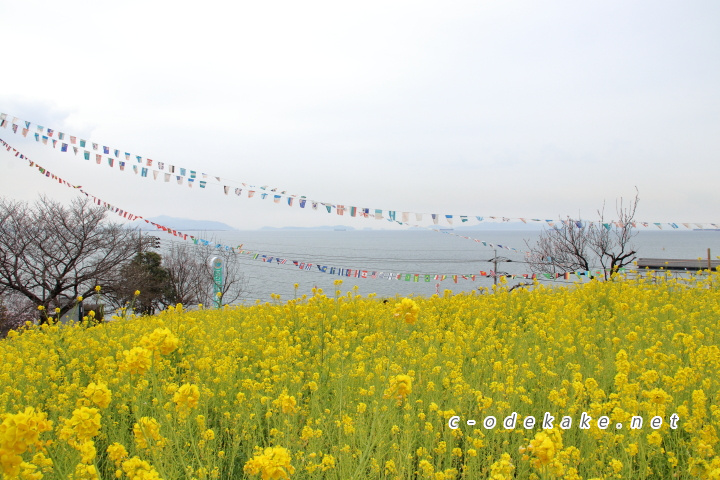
[577,245]
[187,278]
[234,283]
[50,253]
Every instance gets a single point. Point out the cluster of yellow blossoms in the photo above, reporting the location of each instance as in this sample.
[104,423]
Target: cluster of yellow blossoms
[273,463]
[400,387]
[186,399]
[351,387]
[407,310]
[18,434]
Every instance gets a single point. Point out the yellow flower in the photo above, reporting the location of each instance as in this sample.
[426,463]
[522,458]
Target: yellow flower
[328,462]
[426,468]
[135,468]
[407,310]
[657,396]
[99,394]
[28,471]
[654,438]
[137,293]
[308,433]
[632,449]
[200,420]
[186,398]
[117,453]
[82,426]
[161,340]
[272,464]
[286,403]
[502,469]
[400,387]
[543,449]
[10,464]
[147,434]
[85,472]
[137,360]
[87,451]
[45,464]
[347,424]
[338,357]
[97,288]
[20,431]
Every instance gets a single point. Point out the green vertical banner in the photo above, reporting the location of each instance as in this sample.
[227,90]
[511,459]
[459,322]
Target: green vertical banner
[217,265]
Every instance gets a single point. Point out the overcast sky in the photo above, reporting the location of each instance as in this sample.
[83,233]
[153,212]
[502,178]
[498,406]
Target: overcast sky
[511,109]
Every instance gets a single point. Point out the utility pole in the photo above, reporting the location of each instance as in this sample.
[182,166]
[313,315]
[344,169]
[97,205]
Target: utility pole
[495,261]
[709,262]
[495,267]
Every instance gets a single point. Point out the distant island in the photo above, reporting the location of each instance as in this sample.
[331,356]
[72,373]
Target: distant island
[183,224]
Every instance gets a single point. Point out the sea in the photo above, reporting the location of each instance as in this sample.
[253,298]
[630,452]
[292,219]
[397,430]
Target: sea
[428,262]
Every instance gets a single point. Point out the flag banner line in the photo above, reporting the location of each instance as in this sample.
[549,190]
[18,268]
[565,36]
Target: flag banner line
[45,133]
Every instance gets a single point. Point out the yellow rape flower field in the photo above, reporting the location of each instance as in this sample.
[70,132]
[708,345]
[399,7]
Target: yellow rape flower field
[346,387]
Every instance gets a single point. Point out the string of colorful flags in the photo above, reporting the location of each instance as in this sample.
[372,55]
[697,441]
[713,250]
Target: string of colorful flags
[302,202]
[146,167]
[302,265]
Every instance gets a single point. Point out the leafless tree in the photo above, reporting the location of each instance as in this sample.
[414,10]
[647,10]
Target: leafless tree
[184,274]
[14,312]
[577,245]
[180,273]
[191,274]
[7,322]
[234,283]
[50,253]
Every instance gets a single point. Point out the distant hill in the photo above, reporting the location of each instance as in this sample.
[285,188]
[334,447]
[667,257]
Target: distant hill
[184,224]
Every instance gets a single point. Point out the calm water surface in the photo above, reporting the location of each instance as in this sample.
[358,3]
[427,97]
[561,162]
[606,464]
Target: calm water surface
[413,252]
